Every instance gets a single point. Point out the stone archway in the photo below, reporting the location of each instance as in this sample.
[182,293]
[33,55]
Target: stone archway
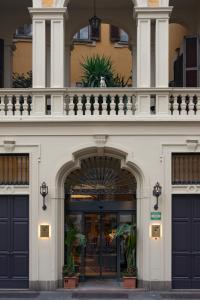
[75,164]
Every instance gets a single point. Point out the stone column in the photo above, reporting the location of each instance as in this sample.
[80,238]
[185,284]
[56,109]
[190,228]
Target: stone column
[55,17]
[58,58]
[8,63]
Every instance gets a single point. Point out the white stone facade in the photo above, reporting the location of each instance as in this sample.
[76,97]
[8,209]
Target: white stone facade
[143,141]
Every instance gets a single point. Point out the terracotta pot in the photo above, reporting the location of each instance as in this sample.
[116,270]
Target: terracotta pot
[70,282]
[129,282]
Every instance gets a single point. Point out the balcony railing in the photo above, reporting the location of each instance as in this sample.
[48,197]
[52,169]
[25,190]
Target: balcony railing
[97,104]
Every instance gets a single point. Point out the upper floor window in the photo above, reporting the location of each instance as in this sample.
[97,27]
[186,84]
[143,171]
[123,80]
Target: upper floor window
[118,35]
[24,31]
[87,34]
[14,169]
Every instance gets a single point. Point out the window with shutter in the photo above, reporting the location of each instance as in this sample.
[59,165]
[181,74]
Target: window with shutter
[191,61]
[95,35]
[114,34]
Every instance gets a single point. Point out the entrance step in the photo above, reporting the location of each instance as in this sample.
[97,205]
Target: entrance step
[99,295]
[181,294]
[18,294]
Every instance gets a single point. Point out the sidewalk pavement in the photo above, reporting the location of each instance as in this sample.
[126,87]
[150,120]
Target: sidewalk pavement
[92,295]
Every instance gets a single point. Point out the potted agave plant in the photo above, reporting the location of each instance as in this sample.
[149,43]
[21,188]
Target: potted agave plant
[73,241]
[128,233]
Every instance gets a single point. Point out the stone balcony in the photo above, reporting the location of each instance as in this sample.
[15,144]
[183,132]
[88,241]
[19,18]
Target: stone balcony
[79,104]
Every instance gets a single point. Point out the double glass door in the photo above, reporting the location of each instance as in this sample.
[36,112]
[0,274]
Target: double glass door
[104,255]
[101,249]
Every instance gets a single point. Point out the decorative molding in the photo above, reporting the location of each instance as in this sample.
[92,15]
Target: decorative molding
[9,145]
[100,140]
[192,145]
[186,189]
[14,190]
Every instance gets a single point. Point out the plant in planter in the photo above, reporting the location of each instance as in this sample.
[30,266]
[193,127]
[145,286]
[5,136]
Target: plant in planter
[97,66]
[73,242]
[128,233]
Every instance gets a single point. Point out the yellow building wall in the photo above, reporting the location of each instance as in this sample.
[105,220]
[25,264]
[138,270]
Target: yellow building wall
[120,55]
[22,56]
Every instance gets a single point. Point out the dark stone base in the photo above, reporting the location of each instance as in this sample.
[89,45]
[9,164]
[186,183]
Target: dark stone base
[43,285]
[155,285]
[53,285]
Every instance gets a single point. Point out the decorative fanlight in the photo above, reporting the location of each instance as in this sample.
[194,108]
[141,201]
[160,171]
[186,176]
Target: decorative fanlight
[95,22]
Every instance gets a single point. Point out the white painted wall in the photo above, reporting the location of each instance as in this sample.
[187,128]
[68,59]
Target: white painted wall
[148,146]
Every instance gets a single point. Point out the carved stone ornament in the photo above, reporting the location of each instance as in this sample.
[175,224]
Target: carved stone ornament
[100,140]
[192,145]
[9,146]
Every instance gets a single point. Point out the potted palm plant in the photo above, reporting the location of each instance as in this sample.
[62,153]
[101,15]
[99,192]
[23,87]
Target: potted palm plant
[73,241]
[128,233]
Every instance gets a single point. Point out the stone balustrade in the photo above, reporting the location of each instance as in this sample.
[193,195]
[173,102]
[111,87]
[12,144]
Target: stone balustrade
[87,103]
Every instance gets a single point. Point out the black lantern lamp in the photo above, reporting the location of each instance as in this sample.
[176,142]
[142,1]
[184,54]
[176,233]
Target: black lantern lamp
[157,190]
[95,22]
[44,193]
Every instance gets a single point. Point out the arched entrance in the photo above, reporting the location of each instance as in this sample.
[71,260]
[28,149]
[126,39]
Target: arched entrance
[100,195]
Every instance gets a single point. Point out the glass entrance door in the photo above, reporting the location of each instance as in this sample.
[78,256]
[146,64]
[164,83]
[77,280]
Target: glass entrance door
[101,248]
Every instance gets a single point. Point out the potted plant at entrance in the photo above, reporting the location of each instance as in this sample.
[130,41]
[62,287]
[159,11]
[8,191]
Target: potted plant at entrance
[73,241]
[128,233]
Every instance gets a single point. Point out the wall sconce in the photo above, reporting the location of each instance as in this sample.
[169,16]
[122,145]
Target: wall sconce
[44,193]
[157,190]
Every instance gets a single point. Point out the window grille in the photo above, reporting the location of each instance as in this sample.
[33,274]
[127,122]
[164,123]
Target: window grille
[186,168]
[14,169]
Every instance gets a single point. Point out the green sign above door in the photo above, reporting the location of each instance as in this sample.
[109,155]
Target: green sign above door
[156,216]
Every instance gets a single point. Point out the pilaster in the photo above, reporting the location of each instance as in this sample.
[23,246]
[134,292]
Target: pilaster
[57,52]
[143,52]
[39,53]
[162,52]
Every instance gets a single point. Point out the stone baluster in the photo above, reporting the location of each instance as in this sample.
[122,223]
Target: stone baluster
[71,105]
[176,105]
[104,106]
[9,109]
[183,106]
[112,106]
[191,106]
[96,106]
[17,106]
[80,106]
[2,106]
[121,106]
[88,111]
[129,106]
[25,106]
